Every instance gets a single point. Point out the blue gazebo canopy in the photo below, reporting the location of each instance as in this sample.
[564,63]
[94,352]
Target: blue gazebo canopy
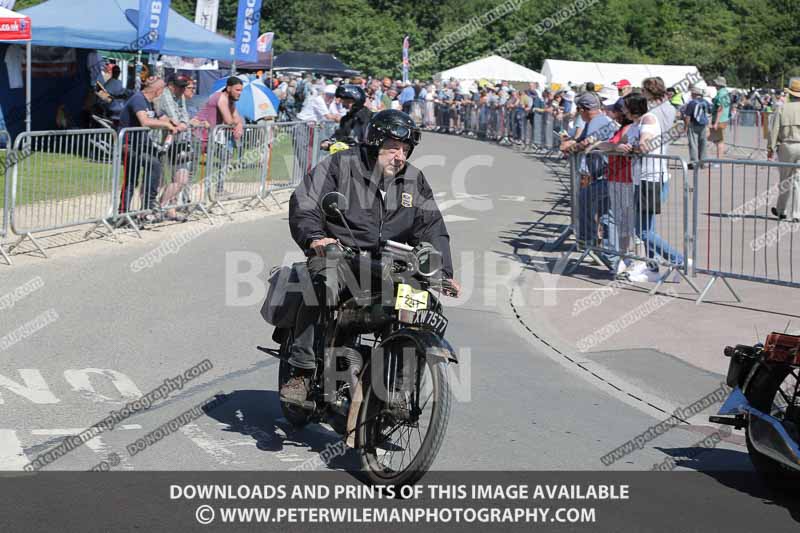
[103,25]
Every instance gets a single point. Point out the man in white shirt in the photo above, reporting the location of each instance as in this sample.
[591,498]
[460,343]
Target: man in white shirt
[317,108]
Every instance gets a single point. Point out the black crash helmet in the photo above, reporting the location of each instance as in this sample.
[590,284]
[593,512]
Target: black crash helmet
[395,125]
[352,92]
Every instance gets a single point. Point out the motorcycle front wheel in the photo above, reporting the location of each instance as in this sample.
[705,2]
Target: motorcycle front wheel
[399,439]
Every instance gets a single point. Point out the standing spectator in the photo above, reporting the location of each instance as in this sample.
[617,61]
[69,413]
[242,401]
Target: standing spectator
[390,93]
[191,108]
[406,97]
[695,119]
[651,179]
[317,107]
[430,109]
[593,193]
[140,155]
[656,93]
[221,109]
[172,104]
[784,137]
[523,109]
[621,211]
[624,88]
[568,101]
[375,94]
[720,116]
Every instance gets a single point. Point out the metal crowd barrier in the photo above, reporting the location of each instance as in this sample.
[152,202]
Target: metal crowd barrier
[630,209]
[736,236]
[5,187]
[61,179]
[747,134]
[156,172]
[237,167]
[323,131]
[293,149]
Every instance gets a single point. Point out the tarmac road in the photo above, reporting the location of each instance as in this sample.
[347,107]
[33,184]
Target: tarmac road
[111,334]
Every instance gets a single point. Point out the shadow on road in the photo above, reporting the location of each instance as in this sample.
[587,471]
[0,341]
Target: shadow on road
[257,413]
[733,469]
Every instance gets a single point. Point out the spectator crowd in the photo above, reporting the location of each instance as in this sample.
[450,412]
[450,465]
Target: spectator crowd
[620,196]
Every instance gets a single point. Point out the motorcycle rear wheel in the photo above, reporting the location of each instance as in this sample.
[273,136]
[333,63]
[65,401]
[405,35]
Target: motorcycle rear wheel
[380,436]
[763,393]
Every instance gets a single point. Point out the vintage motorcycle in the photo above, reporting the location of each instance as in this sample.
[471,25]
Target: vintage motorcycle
[381,378]
[765,401]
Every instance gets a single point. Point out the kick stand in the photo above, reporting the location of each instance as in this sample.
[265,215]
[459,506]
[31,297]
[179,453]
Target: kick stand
[711,283]
[33,240]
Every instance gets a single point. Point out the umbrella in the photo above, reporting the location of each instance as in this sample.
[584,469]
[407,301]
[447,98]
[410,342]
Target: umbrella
[257,100]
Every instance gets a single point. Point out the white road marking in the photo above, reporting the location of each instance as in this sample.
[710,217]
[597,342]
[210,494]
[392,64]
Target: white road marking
[96,444]
[12,455]
[511,198]
[456,218]
[447,204]
[80,380]
[218,450]
[33,388]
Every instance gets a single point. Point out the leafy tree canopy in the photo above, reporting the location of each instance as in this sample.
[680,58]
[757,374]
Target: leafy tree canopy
[751,42]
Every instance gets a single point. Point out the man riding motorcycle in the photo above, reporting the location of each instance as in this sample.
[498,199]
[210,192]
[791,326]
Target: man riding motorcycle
[353,125]
[388,200]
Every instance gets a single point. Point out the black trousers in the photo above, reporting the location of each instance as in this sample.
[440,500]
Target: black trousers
[144,162]
[324,276]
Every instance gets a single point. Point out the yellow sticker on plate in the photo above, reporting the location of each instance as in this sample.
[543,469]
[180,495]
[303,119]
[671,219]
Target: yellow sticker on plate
[410,299]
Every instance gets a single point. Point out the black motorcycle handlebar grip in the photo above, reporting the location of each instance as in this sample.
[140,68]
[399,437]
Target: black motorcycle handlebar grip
[729,351]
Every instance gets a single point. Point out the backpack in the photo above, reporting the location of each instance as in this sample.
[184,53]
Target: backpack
[700,113]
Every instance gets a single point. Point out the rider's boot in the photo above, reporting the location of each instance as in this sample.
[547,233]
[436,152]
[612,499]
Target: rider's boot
[295,390]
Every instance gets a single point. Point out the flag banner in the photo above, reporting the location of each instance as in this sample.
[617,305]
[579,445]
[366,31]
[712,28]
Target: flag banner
[405,59]
[153,15]
[207,14]
[247,30]
[265,42]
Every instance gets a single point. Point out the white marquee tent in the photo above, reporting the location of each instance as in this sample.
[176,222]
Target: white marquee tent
[560,71]
[491,68]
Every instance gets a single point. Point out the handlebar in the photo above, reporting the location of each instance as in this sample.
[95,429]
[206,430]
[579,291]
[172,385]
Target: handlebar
[397,260]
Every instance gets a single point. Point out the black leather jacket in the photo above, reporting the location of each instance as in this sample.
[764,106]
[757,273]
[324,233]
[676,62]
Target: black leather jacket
[407,213]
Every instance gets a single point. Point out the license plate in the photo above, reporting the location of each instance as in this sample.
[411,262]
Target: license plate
[431,320]
[410,299]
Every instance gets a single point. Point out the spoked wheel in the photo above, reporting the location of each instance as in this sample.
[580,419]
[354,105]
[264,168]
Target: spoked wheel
[400,438]
[297,416]
[772,390]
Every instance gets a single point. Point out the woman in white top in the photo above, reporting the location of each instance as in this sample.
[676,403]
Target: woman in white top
[651,178]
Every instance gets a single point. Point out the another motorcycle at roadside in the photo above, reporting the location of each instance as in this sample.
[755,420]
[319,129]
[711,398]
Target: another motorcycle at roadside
[765,402]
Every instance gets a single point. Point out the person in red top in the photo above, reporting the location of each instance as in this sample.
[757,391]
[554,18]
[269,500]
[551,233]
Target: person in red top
[620,187]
